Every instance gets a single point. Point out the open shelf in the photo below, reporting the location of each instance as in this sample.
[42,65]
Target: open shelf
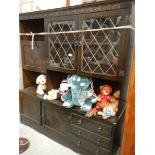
[32,25]
[29,78]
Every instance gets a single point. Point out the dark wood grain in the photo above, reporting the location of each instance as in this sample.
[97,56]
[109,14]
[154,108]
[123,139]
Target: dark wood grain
[30,107]
[29,78]
[33,59]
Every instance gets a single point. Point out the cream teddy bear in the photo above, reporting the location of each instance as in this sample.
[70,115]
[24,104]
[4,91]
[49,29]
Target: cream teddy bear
[52,94]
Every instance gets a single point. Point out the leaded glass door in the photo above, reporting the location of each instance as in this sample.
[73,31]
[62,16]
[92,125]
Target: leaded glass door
[62,49]
[102,50]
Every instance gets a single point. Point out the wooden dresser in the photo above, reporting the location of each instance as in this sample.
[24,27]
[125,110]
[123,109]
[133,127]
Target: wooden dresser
[103,55]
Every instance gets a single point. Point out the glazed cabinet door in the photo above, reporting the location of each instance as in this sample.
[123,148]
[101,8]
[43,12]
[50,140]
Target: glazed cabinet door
[62,47]
[102,51]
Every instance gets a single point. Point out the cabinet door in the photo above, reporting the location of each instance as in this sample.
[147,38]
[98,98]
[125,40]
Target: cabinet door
[55,118]
[102,51]
[62,49]
[33,59]
[30,107]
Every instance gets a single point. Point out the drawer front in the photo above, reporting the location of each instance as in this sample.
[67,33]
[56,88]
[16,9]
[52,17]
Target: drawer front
[33,59]
[94,138]
[30,107]
[88,147]
[98,128]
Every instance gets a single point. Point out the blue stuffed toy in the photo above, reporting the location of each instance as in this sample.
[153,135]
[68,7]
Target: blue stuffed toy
[81,93]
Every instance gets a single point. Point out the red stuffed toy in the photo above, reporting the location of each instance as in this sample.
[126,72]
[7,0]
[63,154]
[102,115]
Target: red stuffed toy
[103,100]
[104,97]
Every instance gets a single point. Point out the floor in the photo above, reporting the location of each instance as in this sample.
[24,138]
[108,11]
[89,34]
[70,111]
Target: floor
[42,145]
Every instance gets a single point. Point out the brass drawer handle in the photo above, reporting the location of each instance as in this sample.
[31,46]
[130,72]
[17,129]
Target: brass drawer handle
[79,121]
[70,119]
[79,133]
[78,143]
[98,140]
[99,129]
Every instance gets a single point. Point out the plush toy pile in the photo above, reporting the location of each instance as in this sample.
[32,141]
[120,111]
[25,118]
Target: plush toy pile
[78,91]
[107,104]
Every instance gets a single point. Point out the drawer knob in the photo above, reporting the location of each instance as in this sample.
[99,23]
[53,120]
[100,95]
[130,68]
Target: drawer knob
[78,143]
[97,152]
[79,133]
[79,121]
[99,129]
[98,140]
[70,119]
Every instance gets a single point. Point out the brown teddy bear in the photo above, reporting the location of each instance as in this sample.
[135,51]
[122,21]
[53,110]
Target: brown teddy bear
[107,104]
[111,108]
[102,100]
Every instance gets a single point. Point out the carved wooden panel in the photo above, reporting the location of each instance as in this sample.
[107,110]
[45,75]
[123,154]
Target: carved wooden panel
[33,59]
[30,107]
[54,118]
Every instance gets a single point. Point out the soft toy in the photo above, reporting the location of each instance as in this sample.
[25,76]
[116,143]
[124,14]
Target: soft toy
[104,97]
[81,93]
[64,86]
[52,94]
[111,108]
[41,81]
[107,108]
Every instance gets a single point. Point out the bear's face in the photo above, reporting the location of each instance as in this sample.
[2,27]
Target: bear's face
[105,90]
[41,79]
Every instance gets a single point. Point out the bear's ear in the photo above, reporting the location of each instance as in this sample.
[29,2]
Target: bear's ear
[101,87]
[37,80]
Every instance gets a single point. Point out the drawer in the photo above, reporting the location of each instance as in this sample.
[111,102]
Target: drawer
[33,59]
[93,126]
[91,149]
[92,137]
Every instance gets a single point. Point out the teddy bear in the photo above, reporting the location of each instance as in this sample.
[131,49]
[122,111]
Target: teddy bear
[52,95]
[108,107]
[104,97]
[41,81]
[81,93]
[111,108]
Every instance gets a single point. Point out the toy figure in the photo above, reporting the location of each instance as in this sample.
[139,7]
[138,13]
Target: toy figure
[109,110]
[81,93]
[64,86]
[41,81]
[104,97]
[108,107]
[52,94]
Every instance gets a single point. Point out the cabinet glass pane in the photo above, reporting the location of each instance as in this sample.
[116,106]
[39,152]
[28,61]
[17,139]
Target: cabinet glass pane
[100,49]
[61,46]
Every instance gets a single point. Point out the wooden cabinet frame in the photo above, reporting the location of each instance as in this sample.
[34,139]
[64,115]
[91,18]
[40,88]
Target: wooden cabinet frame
[48,115]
